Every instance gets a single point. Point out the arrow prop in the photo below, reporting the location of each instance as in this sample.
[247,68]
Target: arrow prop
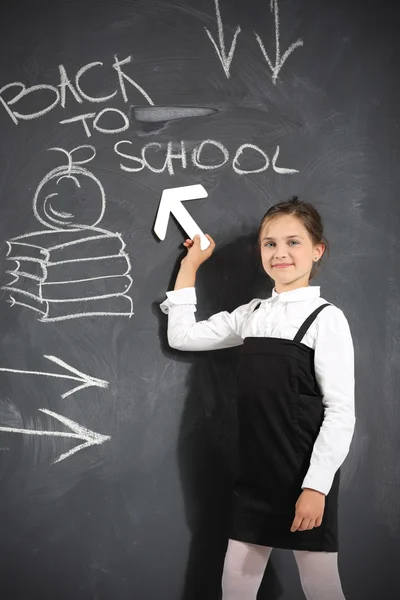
[90,438]
[171,203]
[84,380]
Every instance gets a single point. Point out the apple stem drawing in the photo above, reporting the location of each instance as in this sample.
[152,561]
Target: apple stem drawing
[90,438]
[171,203]
[84,380]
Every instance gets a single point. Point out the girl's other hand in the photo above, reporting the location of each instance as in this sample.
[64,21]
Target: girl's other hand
[195,255]
[310,508]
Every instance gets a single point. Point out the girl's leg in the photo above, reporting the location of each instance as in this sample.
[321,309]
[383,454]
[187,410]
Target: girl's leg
[319,575]
[243,570]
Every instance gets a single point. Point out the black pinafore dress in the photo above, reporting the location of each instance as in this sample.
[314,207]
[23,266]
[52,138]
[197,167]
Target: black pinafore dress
[280,413]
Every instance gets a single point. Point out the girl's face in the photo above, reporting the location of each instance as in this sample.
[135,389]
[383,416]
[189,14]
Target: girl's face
[288,252]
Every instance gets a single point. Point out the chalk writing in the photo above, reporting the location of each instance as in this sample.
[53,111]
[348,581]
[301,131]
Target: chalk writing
[84,380]
[96,118]
[279,58]
[54,95]
[220,49]
[89,438]
[177,152]
[47,275]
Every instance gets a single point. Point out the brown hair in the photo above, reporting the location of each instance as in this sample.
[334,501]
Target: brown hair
[308,215]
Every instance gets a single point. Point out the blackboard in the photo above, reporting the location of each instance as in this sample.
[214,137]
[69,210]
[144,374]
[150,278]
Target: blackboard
[117,453]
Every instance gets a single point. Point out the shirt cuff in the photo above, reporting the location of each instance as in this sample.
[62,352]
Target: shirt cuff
[179,297]
[318,478]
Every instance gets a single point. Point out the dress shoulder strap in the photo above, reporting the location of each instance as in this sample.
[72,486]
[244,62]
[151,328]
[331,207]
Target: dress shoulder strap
[256,306]
[304,328]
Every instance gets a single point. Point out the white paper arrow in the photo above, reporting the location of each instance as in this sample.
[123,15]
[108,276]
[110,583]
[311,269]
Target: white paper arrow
[171,203]
[81,433]
[85,380]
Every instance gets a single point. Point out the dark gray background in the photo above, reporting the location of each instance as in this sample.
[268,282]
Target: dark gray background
[145,515]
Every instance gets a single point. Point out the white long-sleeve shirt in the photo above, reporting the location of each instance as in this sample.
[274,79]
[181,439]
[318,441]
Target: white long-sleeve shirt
[280,316]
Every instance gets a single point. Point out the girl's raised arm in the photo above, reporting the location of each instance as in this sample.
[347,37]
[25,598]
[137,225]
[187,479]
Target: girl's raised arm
[222,330]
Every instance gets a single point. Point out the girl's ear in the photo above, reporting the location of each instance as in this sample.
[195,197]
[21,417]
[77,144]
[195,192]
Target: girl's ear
[319,250]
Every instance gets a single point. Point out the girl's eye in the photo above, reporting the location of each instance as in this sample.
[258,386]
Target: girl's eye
[270,244]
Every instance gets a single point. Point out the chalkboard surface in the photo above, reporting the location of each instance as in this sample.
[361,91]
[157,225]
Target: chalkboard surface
[117,453]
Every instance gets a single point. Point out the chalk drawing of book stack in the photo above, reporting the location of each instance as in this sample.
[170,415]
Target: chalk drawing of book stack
[72,268]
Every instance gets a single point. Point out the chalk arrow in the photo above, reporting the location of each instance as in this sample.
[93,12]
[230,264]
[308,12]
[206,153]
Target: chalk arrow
[89,437]
[171,203]
[84,380]
[279,58]
[224,57]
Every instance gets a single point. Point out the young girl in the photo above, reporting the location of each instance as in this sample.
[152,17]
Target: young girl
[295,404]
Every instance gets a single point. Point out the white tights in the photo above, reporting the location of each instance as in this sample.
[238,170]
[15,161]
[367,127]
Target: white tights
[245,565]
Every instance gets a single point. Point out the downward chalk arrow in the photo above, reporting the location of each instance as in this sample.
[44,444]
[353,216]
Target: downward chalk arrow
[171,203]
[81,433]
[224,57]
[84,380]
[280,58]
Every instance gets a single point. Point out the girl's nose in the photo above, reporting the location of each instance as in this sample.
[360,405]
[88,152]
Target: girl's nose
[280,253]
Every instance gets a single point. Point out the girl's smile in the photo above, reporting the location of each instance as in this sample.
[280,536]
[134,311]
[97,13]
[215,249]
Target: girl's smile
[282,266]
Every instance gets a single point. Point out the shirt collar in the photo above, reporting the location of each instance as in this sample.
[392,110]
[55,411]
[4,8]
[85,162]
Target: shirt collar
[303,293]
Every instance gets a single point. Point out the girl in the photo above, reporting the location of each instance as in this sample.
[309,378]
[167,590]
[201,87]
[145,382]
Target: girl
[295,404]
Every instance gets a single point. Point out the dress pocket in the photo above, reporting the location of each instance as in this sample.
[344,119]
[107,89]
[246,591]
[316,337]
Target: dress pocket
[310,414]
